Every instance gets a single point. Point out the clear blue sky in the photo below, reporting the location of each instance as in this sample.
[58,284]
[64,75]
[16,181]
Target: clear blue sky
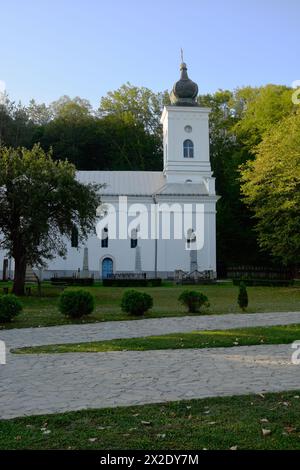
[86,47]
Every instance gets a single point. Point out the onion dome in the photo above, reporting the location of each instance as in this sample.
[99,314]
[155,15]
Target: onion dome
[185,91]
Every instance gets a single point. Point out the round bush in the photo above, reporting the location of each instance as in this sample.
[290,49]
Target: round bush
[10,307]
[136,303]
[193,300]
[76,303]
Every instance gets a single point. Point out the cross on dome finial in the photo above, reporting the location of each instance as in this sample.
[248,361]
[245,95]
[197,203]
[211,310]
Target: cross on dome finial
[181,53]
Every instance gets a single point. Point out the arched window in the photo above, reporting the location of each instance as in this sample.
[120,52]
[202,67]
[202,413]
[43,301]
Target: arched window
[188,149]
[104,239]
[190,238]
[133,240]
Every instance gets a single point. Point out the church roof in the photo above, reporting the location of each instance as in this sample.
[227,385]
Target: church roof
[183,189]
[125,183]
[185,91]
[138,183]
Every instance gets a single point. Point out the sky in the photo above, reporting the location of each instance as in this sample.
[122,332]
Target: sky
[50,48]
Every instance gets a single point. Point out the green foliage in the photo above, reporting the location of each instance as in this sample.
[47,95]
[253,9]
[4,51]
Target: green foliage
[16,128]
[136,303]
[243,296]
[261,108]
[271,186]
[193,300]
[43,311]
[139,104]
[76,304]
[10,307]
[236,239]
[125,134]
[40,203]
[284,334]
[240,120]
[73,109]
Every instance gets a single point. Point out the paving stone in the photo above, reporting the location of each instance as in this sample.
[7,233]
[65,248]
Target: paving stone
[137,328]
[40,384]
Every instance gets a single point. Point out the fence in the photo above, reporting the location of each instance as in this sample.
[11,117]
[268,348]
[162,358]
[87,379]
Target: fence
[260,272]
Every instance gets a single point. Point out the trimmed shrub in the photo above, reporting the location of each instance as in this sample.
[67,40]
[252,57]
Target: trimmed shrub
[10,307]
[193,300]
[76,303]
[243,297]
[136,303]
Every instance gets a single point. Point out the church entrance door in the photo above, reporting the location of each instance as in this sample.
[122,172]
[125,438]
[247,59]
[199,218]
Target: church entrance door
[107,268]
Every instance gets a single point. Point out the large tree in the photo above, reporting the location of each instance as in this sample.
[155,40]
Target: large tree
[40,203]
[258,110]
[139,103]
[16,128]
[271,186]
[238,121]
[74,134]
[133,114]
[236,239]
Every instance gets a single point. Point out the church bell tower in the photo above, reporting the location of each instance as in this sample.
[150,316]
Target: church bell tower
[186,135]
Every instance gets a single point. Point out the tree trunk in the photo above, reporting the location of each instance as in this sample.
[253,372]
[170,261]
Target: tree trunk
[20,272]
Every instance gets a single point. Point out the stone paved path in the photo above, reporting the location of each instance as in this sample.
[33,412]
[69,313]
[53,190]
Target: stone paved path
[55,383]
[37,384]
[135,328]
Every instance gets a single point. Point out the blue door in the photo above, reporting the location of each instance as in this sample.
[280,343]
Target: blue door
[107,268]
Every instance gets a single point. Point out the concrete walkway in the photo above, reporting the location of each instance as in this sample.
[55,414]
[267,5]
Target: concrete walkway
[136,328]
[38,384]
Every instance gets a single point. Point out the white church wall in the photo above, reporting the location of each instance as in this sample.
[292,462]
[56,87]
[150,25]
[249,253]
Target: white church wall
[171,253]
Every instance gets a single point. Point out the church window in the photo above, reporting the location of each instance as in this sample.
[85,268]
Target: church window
[190,238]
[104,239]
[74,237]
[133,240]
[188,149]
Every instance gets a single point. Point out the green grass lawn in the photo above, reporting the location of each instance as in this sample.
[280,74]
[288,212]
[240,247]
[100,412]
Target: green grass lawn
[214,423]
[42,311]
[197,339]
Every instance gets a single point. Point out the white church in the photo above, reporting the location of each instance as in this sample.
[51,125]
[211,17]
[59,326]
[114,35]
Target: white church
[152,223]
